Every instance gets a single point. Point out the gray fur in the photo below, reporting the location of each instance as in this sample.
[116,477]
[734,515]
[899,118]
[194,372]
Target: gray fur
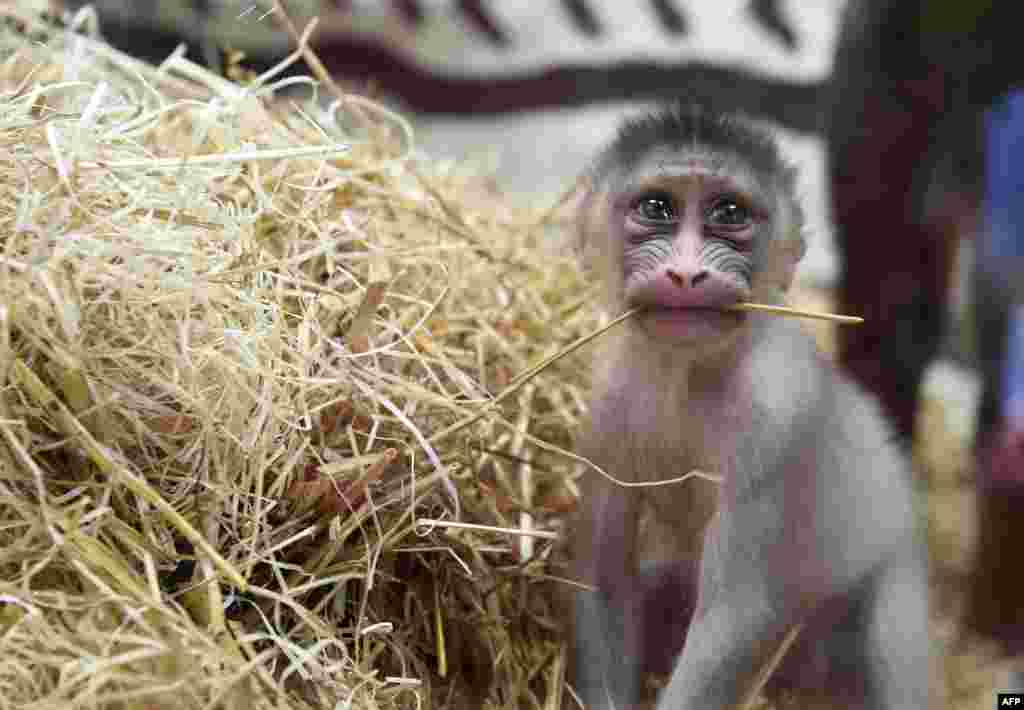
[814,520]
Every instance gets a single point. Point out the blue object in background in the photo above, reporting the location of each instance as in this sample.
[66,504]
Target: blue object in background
[1000,251]
[1013,371]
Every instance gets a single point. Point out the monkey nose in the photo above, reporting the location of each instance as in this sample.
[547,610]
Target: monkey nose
[680,281]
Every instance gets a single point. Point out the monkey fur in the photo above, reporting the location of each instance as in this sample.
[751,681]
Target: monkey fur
[812,523]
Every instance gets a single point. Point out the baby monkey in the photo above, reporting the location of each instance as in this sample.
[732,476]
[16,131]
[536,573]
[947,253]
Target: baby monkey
[811,525]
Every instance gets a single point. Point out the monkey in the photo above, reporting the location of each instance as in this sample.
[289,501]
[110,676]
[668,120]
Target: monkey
[811,525]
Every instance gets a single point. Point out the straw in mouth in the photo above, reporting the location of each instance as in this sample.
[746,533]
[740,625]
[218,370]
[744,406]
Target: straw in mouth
[795,312]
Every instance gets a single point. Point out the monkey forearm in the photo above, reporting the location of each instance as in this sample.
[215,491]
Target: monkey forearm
[726,653]
[603,556]
[747,615]
[592,658]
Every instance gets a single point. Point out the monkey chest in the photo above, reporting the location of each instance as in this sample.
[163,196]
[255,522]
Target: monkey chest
[685,506]
[727,456]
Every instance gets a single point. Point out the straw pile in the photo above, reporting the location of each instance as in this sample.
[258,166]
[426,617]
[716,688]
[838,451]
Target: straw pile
[246,346]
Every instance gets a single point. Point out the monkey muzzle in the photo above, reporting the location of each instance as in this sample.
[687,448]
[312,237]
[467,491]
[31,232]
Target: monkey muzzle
[694,310]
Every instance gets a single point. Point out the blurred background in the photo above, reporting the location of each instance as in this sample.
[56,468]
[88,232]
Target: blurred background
[532,88]
[529,90]
[888,107]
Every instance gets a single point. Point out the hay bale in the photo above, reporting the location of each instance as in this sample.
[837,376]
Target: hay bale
[245,346]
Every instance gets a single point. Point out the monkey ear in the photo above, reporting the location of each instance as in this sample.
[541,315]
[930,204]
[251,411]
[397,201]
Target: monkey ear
[585,202]
[784,256]
[578,202]
[583,186]
[796,243]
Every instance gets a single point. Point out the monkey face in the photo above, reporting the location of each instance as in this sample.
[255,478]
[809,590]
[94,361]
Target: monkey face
[689,239]
[688,212]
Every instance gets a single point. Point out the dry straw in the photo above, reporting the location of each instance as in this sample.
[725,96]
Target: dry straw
[246,343]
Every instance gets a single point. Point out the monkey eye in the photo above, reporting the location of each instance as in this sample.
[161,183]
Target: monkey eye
[729,212]
[655,207]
